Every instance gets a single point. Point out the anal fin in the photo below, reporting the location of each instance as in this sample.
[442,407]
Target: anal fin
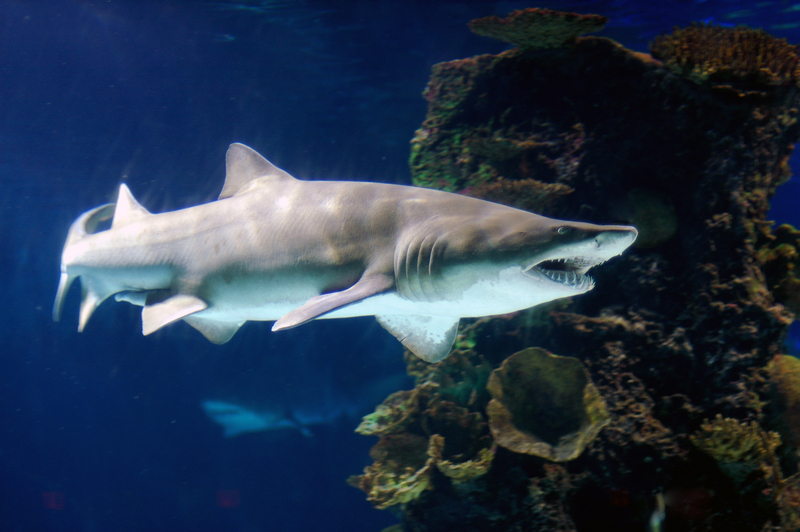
[157,315]
[428,337]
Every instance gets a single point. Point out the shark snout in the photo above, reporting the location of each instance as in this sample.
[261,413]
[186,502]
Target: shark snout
[622,237]
[615,240]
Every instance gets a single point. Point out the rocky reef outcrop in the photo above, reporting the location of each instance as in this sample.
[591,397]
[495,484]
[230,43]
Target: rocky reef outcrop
[680,344]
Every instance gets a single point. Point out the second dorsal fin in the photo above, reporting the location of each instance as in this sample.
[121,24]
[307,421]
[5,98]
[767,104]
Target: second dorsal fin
[244,165]
[127,209]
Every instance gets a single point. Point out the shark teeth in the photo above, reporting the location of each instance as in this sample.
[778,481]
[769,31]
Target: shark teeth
[573,279]
[570,272]
[580,264]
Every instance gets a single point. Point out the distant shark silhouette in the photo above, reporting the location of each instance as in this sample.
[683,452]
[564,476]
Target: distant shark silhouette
[236,419]
[277,248]
[285,413]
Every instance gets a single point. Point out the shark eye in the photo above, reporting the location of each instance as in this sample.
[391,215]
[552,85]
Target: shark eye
[563,230]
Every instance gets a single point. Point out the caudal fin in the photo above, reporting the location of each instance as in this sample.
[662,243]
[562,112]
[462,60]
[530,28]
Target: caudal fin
[94,291]
[86,224]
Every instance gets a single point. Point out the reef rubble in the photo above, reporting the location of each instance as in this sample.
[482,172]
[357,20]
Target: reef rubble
[680,344]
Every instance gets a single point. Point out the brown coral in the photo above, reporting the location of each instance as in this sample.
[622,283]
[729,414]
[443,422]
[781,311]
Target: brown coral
[544,405]
[712,53]
[538,29]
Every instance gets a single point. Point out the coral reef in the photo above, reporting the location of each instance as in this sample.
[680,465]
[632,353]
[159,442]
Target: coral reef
[677,331]
[706,53]
[538,29]
[544,405]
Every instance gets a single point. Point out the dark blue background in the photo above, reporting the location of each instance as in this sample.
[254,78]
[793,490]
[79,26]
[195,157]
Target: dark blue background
[152,93]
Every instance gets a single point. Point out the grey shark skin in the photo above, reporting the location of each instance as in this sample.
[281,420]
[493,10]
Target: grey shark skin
[276,248]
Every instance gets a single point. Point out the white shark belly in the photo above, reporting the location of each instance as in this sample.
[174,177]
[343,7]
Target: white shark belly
[261,299]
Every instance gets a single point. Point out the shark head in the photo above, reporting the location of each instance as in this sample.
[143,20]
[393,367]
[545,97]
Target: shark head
[505,261]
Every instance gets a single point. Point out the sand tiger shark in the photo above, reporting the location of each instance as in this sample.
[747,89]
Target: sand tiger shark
[275,248]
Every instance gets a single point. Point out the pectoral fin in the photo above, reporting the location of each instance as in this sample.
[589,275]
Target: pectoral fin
[157,315]
[367,286]
[428,337]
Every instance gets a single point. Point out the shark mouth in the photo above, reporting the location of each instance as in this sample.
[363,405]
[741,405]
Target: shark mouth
[570,272]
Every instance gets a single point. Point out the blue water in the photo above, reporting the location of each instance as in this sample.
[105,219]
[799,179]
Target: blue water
[103,430]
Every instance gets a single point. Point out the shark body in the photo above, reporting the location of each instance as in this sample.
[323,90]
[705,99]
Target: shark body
[274,248]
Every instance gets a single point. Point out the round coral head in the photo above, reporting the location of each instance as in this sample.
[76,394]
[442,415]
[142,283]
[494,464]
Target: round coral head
[544,405]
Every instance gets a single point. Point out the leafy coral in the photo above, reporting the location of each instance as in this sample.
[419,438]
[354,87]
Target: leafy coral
[401,470]
[536,28]
[427,430]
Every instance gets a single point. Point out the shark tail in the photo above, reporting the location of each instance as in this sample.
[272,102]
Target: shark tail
[86,224]
[124,211]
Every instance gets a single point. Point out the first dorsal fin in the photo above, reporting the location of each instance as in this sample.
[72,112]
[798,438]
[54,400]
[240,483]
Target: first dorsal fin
[128,209]
[244,165]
